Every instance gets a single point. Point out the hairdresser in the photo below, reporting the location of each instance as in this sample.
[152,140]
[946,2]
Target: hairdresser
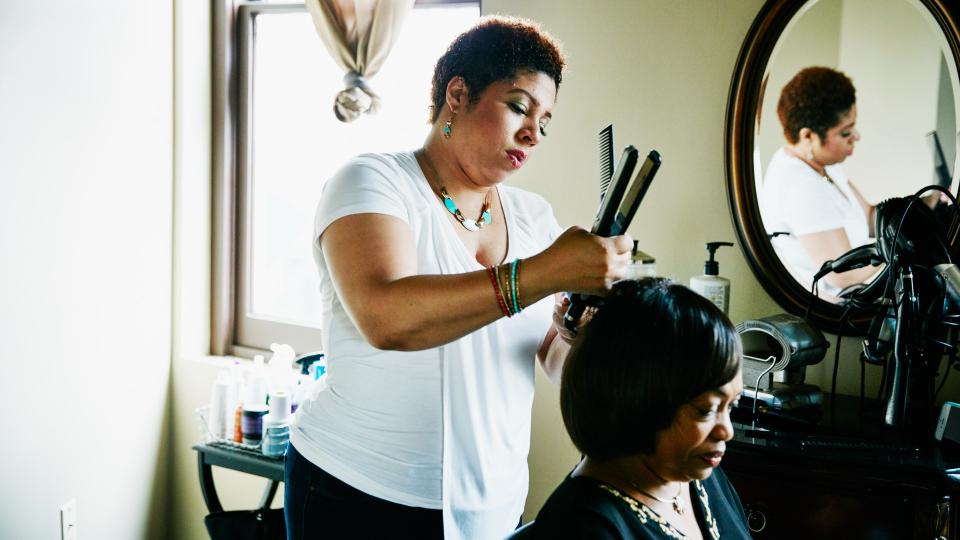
[438,285]
[806,192]
[646,396]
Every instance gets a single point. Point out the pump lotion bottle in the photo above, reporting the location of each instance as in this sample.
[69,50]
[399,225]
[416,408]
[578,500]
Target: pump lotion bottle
[710,285]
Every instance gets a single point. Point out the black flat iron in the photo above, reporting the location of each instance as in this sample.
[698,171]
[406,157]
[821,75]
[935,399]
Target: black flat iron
[617,208]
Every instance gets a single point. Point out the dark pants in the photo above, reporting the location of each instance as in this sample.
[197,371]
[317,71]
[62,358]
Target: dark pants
[317,505]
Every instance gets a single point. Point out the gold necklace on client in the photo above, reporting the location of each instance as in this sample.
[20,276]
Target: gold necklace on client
[677,503]
[675,500]
[468,224]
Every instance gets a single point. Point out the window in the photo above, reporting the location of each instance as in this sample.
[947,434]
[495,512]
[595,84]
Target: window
[280,141]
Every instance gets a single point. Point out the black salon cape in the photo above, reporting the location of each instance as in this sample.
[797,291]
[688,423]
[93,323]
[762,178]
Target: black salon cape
[580,508]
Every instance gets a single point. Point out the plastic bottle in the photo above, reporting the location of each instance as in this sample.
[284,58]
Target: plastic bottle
[282,375]
[220,422]
[276,425]
[237,424]
[313,366]
[710,285]
[641,264]
[300,391]
[320,369]
[254,403]
[236,373]
[235,376]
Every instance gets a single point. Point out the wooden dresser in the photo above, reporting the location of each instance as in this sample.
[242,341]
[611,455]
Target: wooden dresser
[845,478]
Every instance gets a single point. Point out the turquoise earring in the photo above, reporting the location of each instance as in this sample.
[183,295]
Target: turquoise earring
[448,127]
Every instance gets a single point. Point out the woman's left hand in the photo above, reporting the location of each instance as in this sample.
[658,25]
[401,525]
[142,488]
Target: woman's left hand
[553,351]
[559,310]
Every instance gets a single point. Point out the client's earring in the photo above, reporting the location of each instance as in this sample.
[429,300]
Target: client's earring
[448,127]
[809,155]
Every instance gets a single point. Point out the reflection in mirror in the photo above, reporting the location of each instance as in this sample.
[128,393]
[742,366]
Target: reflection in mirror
[818,184]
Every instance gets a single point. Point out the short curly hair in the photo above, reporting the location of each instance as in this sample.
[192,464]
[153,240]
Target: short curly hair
[816,98]
[496,48]
[651,347]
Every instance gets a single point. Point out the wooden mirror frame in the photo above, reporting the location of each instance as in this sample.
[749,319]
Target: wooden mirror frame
[745,93]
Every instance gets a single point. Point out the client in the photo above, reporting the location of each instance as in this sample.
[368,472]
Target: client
[646,395]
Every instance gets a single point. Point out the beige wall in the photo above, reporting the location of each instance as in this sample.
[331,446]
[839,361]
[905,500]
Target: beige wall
[86,141]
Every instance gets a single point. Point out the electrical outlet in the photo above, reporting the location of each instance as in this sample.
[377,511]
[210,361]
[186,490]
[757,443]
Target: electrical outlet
[68,520]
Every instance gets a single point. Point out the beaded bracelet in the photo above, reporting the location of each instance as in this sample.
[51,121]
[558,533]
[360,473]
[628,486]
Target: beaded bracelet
[504,281]
[507,287]
[514,287]
[495,279]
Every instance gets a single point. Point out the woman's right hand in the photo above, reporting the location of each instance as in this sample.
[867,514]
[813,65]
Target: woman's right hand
[578,261]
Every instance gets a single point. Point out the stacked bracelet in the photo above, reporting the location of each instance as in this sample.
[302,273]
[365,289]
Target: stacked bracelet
[494,278]
[506,286]
[514,288]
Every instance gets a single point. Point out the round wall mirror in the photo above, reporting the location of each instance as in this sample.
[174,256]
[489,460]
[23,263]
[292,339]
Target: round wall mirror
[902,58]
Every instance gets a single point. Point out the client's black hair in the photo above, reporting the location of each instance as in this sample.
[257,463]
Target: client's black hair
[652,347]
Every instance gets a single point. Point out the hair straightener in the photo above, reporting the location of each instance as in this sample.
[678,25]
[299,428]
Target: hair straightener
[619,204]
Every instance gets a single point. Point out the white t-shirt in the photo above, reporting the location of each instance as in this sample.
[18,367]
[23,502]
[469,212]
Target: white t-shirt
[797,200]
[445,428]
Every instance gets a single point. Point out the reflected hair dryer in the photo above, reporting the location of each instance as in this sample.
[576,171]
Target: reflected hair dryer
[858,257]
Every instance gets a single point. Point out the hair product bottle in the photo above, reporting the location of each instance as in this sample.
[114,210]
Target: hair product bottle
[641,264]
[238,391]
[254,404]
[276,425]
[221,411]
[710,285]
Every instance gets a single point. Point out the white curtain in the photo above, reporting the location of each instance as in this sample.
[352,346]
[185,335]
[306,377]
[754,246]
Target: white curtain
[359,35]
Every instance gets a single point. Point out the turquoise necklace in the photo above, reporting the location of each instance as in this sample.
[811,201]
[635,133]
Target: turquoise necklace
[468,224]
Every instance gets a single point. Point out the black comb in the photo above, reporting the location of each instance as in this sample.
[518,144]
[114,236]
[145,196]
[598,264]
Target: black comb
[606,159]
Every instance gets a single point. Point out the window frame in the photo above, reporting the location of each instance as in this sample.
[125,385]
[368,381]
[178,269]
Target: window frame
[232,331]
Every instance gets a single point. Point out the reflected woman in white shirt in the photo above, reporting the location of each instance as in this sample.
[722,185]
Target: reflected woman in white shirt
[806,193]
